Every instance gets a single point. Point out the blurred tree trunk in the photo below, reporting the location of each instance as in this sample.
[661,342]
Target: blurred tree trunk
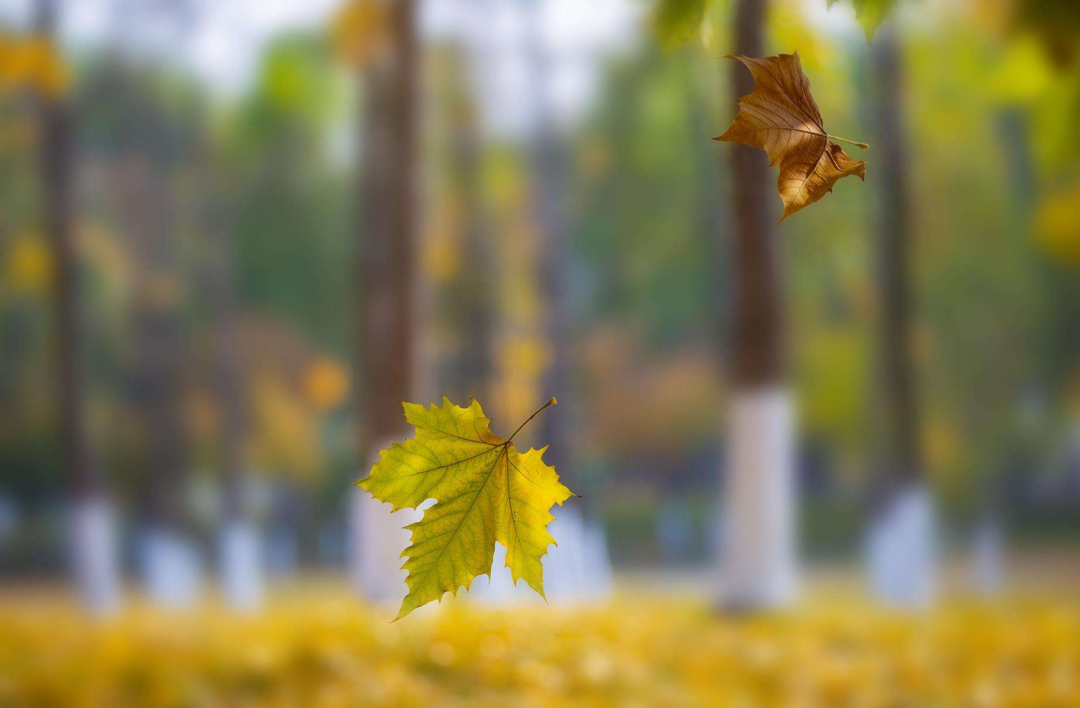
[901,543]
[580,566]
[170,561]
[469,295]
[240,542]
[387,271]
[758,538]
[475,342]
[549,162]
[93,548]
[387,280]
[988,537]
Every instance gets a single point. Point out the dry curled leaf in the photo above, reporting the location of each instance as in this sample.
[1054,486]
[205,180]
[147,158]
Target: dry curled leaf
[484,491]
[781,117]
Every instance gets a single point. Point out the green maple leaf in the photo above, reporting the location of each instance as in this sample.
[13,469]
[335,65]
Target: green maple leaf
[484,491]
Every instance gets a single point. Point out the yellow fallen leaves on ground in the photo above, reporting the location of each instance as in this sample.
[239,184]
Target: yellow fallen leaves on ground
[319,650]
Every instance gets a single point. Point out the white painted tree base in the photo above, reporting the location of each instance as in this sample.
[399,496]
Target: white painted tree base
[598,560]
[172,569]
[377,538]
[94,556]
[901,548]
[242,566]
[579,568]
[758,544]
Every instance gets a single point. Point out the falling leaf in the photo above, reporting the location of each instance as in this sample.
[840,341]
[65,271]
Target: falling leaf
[484,491]
[781,117]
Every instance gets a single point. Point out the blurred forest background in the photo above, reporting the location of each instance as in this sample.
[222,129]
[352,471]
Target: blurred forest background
[568,204]
[233,235]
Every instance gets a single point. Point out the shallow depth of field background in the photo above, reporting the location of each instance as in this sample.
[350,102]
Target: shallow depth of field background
[216,150]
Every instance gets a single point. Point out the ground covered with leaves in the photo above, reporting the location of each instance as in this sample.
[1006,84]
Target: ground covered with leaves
[319,649]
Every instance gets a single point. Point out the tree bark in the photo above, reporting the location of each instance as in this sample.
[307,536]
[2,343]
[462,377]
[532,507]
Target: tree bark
[757,317]
[578,568]
[56,156]
[550,207]
[475,360]
[149,216]
[900,458]
[240,551]
[93,547]
[388,192]
[387,288]
[758,530]
[901,539]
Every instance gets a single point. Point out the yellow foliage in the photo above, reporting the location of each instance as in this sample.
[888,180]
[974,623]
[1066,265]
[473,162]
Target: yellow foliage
[944,450]
[1059,226]
[285,432]
[529,354]
[791,26]
[521,358]
[29,266]
[34,63]
[359,31]
[441,258]
[326,384]
[833,375]
[1023,73]
[318,649]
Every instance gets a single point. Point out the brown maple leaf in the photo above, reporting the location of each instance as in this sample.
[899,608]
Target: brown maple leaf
[782,118]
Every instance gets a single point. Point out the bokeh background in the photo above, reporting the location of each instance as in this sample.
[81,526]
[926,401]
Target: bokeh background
[232,233]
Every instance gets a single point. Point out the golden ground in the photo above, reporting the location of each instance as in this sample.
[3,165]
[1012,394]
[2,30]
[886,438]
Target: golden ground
[315,647]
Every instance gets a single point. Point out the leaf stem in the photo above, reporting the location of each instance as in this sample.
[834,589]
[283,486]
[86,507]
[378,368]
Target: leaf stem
[864,146]
[542,408]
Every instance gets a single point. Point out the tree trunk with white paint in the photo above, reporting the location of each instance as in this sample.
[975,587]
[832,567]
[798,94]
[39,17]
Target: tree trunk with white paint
[240,555]
[757,526]
[569,574]
[900,542]
[171,562]
[95,554]
[92,524]
[387,277]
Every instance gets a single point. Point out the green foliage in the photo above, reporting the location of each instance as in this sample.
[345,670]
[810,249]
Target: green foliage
[649,204]
[294,248]
[678,21]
